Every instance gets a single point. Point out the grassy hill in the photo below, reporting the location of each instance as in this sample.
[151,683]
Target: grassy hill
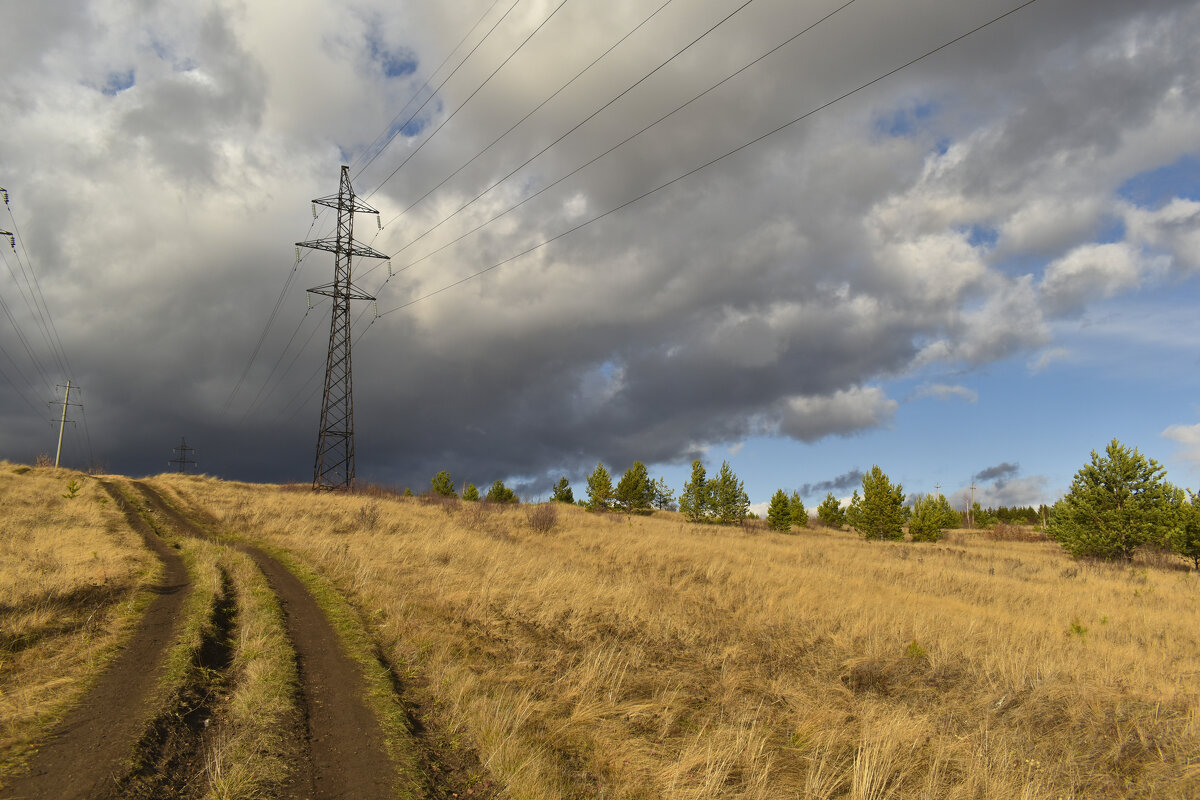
[646,657]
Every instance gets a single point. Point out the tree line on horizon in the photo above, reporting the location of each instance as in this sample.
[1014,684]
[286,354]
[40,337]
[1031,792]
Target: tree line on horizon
[1118,502]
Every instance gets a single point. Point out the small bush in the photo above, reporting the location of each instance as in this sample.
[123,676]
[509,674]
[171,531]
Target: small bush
[368,516]
[542,518]
[1007,532]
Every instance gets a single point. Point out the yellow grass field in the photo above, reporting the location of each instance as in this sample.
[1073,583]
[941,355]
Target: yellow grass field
[69,571]
[650,658]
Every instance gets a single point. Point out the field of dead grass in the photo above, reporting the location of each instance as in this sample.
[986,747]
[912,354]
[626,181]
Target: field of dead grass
[647,657]
[69,573]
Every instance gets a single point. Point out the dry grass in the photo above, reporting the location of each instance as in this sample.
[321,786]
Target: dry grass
[69,574]
[646,657]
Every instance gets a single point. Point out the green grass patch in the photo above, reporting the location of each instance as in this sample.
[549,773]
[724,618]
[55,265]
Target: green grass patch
[362,648]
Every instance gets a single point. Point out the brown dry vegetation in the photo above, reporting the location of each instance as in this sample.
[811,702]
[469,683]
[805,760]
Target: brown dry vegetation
[647,657]
[69,573]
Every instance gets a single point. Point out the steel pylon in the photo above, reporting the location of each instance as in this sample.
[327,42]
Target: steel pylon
[334,466]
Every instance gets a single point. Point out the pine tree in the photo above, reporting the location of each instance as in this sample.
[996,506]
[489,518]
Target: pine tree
[664,497]
[879,513]
[470,493]
[562,491]
[831,513]
[499,493]
[947,516]
[799,513]
[730,501]
[1185,539]
[634,491]
[442,484]
[779,513]
[928,518]
[1117,502]
[599,489]
[693,501]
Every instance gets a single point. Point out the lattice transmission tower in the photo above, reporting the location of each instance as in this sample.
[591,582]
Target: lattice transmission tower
[334,466]
[183,451]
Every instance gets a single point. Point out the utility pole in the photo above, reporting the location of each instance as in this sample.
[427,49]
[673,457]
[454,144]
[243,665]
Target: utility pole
[334,465]
[62,423]
[183,450]
[938,489]
[971,513]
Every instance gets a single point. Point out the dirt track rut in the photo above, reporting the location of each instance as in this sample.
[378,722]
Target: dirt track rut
[342,751]
[344,742]
[85,755]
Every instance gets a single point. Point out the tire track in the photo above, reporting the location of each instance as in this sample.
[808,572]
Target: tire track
[89,751]
[344,743]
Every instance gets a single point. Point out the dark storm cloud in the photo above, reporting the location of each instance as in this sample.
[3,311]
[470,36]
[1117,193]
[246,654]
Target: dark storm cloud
[842,483]
[998,472]
[771,294]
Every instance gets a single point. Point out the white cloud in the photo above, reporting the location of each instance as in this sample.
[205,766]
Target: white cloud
[1092,272]
[843,413]
[1046,358]
[943,391]
[1174,229]
[1188,436]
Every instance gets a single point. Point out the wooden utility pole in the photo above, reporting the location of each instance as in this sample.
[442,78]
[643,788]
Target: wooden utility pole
[62,423]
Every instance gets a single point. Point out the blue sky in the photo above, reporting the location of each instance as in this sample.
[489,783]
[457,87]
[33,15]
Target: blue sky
[987,259]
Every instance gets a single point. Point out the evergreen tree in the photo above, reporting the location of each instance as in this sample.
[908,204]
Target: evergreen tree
[1117,502]
[947,516]
[664,497]
[599,489]
[442,484]
[879,513]
[634,491]
[928,518]
[779,513]
[1185,539]
[470,493]
[798,512]
[730,503]
[831,513]
[693,501]
[562,491]
[499,493]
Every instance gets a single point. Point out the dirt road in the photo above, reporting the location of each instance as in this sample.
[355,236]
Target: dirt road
[94,753]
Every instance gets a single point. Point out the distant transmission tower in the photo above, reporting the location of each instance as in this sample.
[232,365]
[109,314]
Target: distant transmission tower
[183,451]
[334,467]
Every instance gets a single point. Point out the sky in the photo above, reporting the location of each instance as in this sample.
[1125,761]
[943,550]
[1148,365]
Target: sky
[971,270]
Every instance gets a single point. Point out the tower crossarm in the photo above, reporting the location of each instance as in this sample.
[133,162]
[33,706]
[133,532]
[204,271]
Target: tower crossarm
[353,248]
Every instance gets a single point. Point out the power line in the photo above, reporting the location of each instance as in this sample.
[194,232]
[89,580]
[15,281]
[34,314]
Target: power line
[13,320]
[317,326]
[619,144]
[722,157]
[440,85]
[578,125]
[51,330]
[300,258]
[389,131]
[535,109]
[270,321]
[463,105]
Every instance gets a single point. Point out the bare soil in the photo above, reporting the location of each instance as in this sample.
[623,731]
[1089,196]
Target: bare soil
[91,749]
[344,755]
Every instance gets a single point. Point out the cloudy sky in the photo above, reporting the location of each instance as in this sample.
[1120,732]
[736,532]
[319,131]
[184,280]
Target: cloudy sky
[976,269]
